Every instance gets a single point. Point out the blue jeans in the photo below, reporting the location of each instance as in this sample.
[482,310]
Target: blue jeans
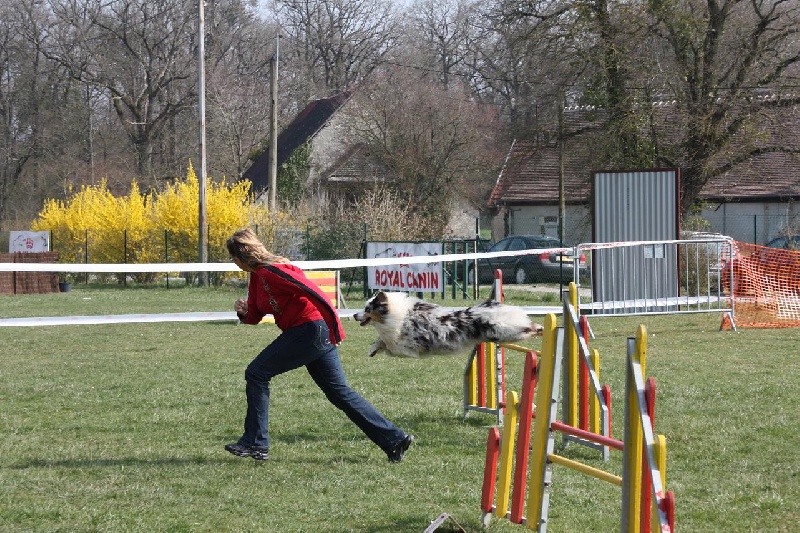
[309,345]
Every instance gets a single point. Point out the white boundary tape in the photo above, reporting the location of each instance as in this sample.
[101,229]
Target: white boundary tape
[305,265]
[223,316]
[119,319]
[230,267]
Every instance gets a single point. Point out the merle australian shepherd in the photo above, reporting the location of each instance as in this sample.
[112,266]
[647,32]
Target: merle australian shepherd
[410,327]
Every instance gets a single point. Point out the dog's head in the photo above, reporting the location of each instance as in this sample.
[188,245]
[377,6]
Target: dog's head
[375,309]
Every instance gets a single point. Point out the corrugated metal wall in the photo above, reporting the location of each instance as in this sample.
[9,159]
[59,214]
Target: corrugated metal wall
[635,206]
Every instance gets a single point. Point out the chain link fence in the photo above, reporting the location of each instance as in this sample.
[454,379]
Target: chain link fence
[159,246]
[341,241]
[753,229]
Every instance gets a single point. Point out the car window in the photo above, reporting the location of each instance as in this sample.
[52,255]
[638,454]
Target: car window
[516,244]
[500,246]
[523,243]
[543,243]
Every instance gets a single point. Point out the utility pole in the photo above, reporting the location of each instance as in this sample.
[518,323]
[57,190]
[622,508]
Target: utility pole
[90,135]
[561,200]
[273,134]
[202,224]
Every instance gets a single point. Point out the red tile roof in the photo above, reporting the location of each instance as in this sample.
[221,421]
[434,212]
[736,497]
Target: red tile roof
[531,173]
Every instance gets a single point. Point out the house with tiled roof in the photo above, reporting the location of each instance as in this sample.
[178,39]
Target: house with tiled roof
[752,201]
[305,126]
[338,165]
[341,166]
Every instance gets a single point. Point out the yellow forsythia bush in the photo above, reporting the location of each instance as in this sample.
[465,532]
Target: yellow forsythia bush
[175,211]
[74,225]
[94,225]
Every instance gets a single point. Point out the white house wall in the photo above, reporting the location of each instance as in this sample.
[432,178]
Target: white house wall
[543,220]
[326,146]
[463,223]
[754,222]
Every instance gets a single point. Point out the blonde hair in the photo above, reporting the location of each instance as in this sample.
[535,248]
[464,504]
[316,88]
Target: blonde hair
[245,246]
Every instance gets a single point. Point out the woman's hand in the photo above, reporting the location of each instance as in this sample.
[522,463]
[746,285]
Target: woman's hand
[240,306]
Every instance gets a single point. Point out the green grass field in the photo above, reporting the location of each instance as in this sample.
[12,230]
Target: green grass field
[121,427]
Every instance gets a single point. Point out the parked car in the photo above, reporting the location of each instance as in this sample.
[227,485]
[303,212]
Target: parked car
[787,242]
[534,268]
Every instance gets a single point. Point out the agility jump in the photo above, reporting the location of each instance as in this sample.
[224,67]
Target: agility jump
[587,404]
[646,504]
[484,374]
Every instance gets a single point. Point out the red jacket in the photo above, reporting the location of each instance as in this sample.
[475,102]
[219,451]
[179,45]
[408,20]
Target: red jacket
[284,291]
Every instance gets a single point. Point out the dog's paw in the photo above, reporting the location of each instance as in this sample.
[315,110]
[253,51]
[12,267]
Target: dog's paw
[373,352]
[376,347]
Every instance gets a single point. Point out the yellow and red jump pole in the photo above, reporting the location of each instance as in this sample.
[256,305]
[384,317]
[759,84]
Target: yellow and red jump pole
[586,404]
[522,411]
[484,374]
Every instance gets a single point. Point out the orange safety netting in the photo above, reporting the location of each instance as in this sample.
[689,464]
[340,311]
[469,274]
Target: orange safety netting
[766,285]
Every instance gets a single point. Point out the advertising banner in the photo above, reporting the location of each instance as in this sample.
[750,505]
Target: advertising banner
[422,277]
[29,241]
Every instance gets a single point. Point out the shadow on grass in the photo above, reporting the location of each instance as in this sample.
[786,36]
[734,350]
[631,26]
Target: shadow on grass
[221,458]
[473,420]
[105,463]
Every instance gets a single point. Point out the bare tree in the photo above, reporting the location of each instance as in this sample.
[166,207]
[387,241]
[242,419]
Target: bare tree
[725,56]
[517,62]
[579,52]
[238,70]
[139,52]
[17,146]
[337,42]
[37,119]
[239,118]
[440,144]
[442,31]
[710,56]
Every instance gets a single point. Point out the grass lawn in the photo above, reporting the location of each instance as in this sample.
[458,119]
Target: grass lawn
[121,427]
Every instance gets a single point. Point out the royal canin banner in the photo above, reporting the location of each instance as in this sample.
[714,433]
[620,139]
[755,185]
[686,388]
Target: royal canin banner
[419,277]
